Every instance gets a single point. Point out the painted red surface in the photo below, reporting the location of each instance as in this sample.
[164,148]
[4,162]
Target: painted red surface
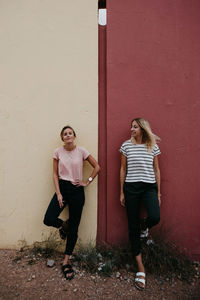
[102,178]
[153,71]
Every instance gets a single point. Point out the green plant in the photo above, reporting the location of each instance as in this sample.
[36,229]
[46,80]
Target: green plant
[103,259]
[87,256]
[23,246]
[49,245]
[160,257]
[119,255]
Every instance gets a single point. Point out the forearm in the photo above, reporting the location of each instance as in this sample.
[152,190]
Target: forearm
[56,184]
[93,174]
[122,179]
[95,171]
[158,180]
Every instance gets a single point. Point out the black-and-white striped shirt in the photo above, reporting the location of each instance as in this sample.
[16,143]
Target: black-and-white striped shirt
[139,162]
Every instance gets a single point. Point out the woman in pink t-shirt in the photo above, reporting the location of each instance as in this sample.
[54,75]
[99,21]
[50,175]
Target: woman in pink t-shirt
[69,190]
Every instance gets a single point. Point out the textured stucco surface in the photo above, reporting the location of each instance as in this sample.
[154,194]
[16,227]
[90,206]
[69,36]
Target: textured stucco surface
[48,78]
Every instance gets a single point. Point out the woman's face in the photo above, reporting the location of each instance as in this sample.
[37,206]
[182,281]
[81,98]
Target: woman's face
[68,136]
[136,131]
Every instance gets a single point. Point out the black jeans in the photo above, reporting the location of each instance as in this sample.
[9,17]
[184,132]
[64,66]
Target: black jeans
[134,193]
[74,197]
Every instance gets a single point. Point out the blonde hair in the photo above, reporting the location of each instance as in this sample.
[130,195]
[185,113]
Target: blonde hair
[148,137]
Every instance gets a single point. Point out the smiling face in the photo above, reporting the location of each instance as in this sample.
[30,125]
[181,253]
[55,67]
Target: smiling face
[68,136]
[136,130]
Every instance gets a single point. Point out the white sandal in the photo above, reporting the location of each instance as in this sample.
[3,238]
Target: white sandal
[142,280]
[144,233]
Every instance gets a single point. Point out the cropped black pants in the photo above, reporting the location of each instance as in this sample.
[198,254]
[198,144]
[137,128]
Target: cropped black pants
[74,197]
[134,193]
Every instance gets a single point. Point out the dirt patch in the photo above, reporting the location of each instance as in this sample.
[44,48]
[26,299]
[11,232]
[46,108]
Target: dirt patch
[25,276]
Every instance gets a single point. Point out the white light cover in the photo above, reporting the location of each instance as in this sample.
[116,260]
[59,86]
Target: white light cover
[102,16]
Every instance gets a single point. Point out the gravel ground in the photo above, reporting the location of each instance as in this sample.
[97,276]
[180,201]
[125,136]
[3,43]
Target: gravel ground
[25,276]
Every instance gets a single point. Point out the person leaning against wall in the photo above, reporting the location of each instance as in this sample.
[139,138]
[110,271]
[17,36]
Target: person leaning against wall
[140,181]
[69,190]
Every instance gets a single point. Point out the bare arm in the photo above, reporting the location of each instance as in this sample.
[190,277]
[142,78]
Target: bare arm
[56,182]
[92,161]
[122,178]
[95,165]
[157,175]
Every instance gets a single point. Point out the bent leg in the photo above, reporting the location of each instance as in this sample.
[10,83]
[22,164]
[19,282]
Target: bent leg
[52,213]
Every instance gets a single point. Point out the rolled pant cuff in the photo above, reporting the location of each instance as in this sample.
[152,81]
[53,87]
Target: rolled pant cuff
[67,252]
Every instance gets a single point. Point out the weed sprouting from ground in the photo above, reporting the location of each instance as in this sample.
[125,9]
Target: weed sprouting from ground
[48,247]
[23,246]
[164,258]
[88,257]
[103,259]
[160,258]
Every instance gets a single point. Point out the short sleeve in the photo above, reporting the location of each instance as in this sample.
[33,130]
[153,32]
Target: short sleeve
[55,154]
[156,150]
[84,152]
[123,150]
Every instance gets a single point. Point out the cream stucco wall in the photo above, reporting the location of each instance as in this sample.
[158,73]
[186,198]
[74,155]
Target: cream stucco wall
[48,78]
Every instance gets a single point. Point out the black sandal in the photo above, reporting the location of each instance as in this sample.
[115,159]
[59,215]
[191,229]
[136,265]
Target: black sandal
[63,231]
[67,269]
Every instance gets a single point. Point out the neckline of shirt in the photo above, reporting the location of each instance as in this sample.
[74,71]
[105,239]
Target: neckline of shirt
[143,144]
[69,150]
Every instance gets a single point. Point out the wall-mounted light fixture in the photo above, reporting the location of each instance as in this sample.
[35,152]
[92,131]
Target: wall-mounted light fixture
[102,13]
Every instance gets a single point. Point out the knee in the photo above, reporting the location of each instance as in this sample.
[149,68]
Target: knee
[154,220]
[47,221]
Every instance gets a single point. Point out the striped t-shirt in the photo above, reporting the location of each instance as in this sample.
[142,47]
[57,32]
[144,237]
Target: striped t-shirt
[139,162]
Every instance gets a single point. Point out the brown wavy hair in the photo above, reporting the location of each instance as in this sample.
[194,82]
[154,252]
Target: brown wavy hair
[65,127]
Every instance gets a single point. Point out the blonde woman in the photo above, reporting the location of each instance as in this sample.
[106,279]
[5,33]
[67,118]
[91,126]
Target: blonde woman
[140,181]
[69,190]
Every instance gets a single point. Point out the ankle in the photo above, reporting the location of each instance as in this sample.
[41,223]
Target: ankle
[140,263]
[141,269]
[66,260]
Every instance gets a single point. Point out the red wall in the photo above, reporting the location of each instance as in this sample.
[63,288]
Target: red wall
[153,71]
[102,179]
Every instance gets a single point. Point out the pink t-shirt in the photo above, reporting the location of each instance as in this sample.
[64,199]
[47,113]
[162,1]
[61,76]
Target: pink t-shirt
[70,163]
